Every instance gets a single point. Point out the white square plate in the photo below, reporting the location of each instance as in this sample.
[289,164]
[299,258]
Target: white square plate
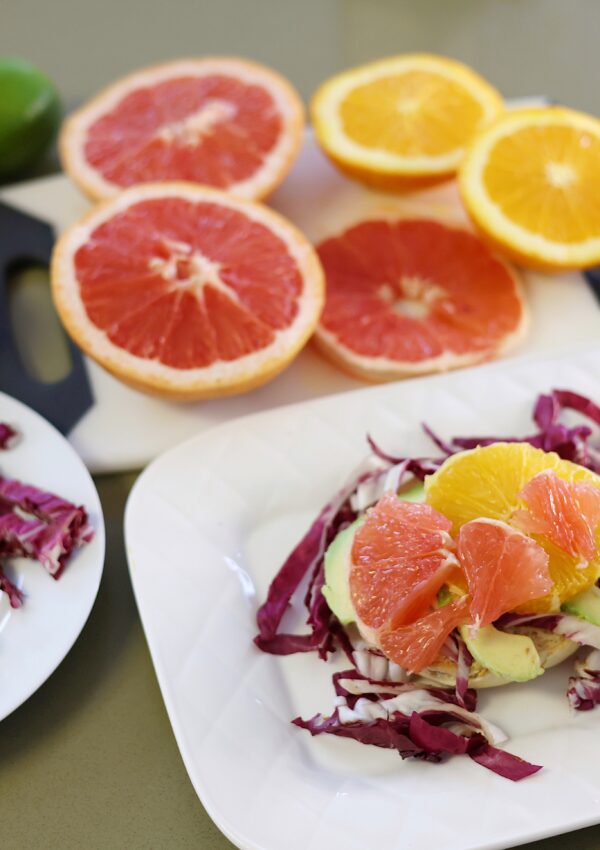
[207,526]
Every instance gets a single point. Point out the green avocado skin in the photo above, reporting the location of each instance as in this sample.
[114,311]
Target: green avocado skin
[29,115]
[586,605]
[512,657]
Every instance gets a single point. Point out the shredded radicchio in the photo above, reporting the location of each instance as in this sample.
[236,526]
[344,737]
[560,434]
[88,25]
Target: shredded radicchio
[365,709]
[36,524]
[9,437]
[584,687]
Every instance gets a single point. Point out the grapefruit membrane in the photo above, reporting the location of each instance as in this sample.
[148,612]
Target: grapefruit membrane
[412,295]
[186,292]
[219,121]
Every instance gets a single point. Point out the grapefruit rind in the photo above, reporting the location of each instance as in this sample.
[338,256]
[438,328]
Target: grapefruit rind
[521,244]
[72,137]
[220,378]
[360,161]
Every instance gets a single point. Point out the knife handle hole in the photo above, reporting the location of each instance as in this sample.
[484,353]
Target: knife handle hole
[39,338]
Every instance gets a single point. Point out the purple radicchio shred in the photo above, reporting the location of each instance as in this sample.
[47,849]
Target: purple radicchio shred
[421,736]
[15,596]
[9,437]
[569,442]
[40,525]
[584,688]
[307,559]
[567,625]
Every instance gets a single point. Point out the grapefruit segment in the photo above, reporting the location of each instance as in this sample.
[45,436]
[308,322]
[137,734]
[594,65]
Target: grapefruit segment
[504,568]
[411,296]
[221,122]
[401,556]
[417,645]
[487,481]
[567,514]
[185,291]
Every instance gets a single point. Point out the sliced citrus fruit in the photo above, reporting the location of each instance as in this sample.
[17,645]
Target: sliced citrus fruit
[400,559]
[504,568]
[185,291]
[567,514]
[416,645]
[221,122]
[488,481]
[411,296]
[530,183]
[402,120]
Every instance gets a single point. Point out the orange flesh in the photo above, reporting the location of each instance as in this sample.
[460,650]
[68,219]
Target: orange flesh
[186,283]
[211,129]
[504,568]
[545,178]
[413,290]
[411,114]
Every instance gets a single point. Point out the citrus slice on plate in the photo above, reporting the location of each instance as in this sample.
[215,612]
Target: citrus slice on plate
[411,296]
[505,568]
[400,559]
[222,122]
[490,482]
[185,291]
[402,120]
[530,182]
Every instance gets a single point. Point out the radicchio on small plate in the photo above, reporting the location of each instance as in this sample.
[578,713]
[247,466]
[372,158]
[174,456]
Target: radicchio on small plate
[377,703]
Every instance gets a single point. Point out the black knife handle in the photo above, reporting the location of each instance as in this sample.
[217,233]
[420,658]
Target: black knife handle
[26,239]
[593,278]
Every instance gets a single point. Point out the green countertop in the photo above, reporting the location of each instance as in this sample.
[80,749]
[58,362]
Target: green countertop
[90,760]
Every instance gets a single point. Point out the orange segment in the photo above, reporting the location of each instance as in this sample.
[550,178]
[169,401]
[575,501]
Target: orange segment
[406,118]
[530,183]
[504,568]
[186,292]
[221,122]
[488,482]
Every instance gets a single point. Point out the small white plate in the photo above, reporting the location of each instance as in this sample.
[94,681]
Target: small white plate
[35,638]
[207,526]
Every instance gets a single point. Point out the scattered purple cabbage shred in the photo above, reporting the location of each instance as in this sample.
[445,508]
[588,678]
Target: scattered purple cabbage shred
[432,734]
[9,436]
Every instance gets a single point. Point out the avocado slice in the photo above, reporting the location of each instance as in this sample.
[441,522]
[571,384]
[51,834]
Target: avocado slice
[586,605]
[336,589]
[512,657]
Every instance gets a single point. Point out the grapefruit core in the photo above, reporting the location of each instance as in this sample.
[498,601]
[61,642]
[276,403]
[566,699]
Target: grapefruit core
[222,122]
[410,296]
[186,292]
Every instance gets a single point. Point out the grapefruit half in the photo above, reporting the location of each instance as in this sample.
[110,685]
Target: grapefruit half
[222,122]
[185,291]
[413,295]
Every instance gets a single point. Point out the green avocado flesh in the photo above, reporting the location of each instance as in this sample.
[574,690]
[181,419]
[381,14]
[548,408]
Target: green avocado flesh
[512,657]
[337,567]
[585,605]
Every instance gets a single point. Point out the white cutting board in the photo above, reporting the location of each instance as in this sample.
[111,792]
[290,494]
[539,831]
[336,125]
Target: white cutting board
[126,429]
